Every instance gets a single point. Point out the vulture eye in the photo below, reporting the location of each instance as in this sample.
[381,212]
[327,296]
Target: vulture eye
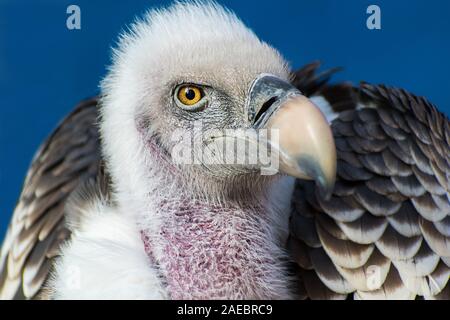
[189,96]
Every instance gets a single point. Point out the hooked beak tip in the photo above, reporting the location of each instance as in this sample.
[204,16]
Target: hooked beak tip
[313,170]
[325,187]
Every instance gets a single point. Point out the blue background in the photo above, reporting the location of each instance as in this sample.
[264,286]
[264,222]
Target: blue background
[46,68]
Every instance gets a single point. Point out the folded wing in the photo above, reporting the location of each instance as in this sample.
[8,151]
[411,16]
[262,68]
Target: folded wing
[70,156]
[385,232]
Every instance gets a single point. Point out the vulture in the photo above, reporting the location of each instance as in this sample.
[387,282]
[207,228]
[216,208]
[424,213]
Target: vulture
[358,207]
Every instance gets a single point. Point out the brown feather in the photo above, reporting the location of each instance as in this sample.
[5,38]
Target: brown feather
[62,163]
[390,207]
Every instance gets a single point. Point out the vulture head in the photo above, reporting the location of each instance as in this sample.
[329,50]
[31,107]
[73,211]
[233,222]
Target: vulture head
[210,226]
[199,65]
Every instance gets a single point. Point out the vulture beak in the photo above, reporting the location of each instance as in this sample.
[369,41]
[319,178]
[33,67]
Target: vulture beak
[305,143]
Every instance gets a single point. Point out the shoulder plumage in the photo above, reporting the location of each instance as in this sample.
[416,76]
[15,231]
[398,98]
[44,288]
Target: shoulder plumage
[68,157]
[385,231]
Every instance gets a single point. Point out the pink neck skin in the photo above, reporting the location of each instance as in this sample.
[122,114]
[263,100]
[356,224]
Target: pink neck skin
[209,251]
[212,252]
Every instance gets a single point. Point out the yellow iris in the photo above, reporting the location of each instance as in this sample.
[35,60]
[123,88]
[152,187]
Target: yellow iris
[189,95]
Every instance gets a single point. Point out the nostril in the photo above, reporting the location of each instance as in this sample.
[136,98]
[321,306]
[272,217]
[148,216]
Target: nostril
[264,108]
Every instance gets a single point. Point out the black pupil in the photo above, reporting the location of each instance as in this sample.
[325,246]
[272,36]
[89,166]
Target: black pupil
[190,94]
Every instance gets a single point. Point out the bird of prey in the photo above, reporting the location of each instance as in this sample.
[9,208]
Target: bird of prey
[358,210]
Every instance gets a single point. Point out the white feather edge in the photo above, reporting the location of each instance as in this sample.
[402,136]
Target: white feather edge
[105,259]
[325,107]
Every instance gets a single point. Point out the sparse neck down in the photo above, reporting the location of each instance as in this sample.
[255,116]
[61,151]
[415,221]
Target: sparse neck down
[207,250]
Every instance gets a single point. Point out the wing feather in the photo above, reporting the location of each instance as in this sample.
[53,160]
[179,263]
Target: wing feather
[385,231]
[68,157]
